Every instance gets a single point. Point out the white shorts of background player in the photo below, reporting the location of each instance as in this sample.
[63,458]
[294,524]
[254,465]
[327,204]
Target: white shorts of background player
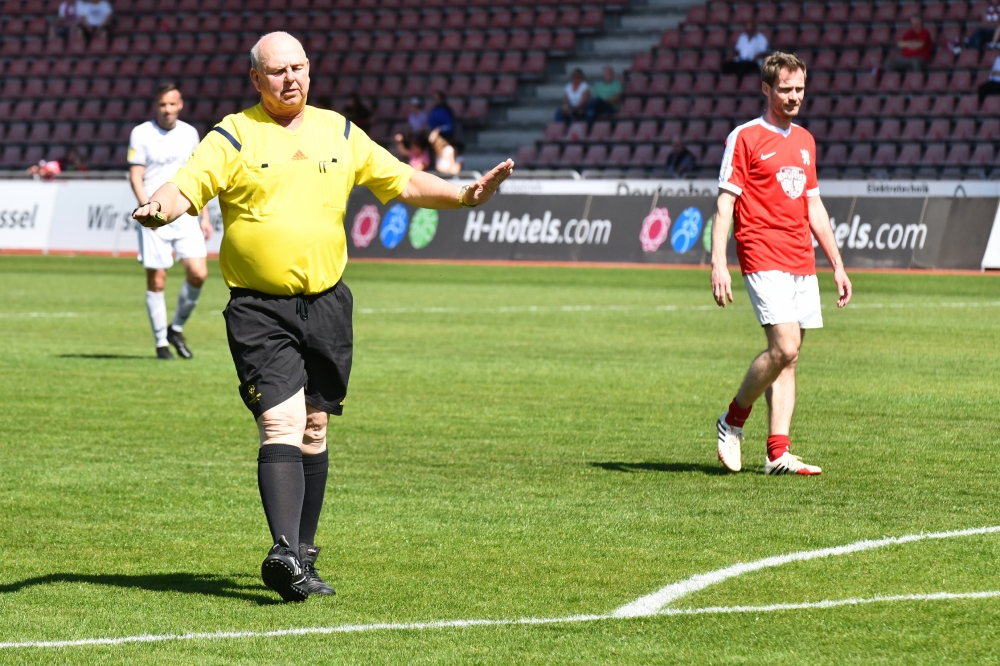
[781,298]
[182,239]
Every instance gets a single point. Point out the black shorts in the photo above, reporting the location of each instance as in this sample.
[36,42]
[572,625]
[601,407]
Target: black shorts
[282,343]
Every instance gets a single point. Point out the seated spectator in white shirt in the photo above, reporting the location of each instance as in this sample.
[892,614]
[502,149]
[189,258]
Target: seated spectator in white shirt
[991,87]
[751,47]
[575,98]
[95,16]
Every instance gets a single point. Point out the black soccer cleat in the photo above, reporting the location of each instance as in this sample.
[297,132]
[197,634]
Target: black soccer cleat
[176,338]
[315,584]
[163,353]
[283,573]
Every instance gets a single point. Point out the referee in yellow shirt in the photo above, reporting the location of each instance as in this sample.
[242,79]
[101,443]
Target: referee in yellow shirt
[283,171]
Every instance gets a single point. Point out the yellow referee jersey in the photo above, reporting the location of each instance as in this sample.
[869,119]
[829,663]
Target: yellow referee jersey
[283,195]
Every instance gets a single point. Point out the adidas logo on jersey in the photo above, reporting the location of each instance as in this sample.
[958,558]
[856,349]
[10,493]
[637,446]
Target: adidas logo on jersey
[299,155]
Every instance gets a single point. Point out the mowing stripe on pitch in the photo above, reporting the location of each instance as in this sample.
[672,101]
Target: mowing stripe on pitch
[648,606]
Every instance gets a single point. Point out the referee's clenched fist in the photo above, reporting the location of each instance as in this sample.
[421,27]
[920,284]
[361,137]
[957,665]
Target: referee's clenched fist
[283,171]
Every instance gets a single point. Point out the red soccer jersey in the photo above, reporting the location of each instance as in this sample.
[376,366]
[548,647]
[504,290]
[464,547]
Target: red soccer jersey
[772,173]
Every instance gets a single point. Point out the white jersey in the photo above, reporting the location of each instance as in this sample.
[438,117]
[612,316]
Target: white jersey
[161,151]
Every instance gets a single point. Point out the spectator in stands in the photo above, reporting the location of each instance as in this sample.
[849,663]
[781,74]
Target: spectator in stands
[915,47]
[681,160]
[575,98]
[988,32]
[445,156]
[95,17]
[417,152]
[441,117]
[416,116]
[992,86]
[66,21]
[357,112]
[607,96]
[751,47]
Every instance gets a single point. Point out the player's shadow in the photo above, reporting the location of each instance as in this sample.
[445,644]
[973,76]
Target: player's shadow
[104,357]
[677,468]
[227,587]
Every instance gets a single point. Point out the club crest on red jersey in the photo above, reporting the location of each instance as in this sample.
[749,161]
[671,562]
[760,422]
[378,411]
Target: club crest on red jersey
[793,181]
[805,156]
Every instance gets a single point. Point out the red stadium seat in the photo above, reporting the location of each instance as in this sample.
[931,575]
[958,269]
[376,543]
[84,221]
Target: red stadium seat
[643,156]
[965,129]
[836,155]
[914,82]
[885,155]
[624,131]
[840,129]
[888,130]
[846,107]
[596,157]
[983,155]
[864,130]
[534,64]
[915,130]
[666,61]
[526,156]
[934,155]
[725,107]
[548,155]
[555,131]
[968,105]
[620,156]
[646,131]
[695,131]
[939,130]
[656,107]
[894,106]
[478,110]
[944,106]
[861,155]
[572,156]
[991,106]
[920,105]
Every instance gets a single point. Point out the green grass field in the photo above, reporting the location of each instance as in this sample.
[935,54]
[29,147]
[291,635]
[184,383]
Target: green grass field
[518,442]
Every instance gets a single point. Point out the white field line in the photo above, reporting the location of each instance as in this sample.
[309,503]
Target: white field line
[641,308]
[514,309]
[651,605]
[464,624]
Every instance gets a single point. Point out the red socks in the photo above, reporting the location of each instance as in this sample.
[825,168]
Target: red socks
[737,415]
[777,446]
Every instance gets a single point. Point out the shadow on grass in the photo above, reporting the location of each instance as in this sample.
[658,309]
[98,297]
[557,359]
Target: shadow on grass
[227,587]
[101,357]
[678,468]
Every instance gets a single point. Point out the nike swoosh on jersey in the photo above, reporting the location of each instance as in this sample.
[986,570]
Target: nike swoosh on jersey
[764,157]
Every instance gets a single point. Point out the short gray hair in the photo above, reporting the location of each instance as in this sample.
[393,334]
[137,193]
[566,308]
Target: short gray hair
[255,51]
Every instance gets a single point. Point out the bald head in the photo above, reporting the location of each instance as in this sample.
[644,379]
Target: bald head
[275,45]
[280,72]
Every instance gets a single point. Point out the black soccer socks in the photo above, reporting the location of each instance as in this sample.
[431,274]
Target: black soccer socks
[282,487]
[315,469]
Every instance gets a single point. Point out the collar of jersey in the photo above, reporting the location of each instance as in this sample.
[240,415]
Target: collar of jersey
[767,125]
[260,110]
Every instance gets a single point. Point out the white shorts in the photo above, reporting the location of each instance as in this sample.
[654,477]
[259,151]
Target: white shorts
[182,238]
[782,298]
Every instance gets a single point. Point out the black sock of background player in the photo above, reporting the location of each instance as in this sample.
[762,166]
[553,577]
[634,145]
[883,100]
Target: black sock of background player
[282,486]
[315,468]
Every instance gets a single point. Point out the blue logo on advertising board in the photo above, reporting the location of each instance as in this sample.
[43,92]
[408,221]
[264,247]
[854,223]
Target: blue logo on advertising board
[687,230]
[394,226]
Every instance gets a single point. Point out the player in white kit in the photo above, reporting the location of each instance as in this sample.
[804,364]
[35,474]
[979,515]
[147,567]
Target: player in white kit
[157,149]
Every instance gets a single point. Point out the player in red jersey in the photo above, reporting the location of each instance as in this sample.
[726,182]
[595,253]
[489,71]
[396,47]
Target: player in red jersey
[768,186]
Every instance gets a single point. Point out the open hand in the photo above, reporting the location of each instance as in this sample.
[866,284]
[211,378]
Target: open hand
[722,285]
[844,287]
[483,189]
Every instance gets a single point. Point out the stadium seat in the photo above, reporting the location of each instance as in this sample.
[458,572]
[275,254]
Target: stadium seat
[864,130]
[643,156]
[938,130]
[669,130]
[695,132]
[619,156]
[983,155]
[624,131]
[934,155]
[572,156]
[840,129]
[526,156]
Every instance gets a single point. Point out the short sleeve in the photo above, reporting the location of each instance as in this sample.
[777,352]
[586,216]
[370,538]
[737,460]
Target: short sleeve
[812,181]
[735,163]
[376,168]
[210,168]
[136,150]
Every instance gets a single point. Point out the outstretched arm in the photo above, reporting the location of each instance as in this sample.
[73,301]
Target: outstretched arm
[722,281]
[428,191]
[819,223]
[164,206]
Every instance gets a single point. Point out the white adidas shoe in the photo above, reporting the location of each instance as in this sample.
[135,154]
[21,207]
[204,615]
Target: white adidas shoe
[730,440]
[789,464]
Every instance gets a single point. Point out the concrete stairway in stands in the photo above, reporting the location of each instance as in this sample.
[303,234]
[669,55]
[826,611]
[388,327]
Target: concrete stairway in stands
[632,31]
